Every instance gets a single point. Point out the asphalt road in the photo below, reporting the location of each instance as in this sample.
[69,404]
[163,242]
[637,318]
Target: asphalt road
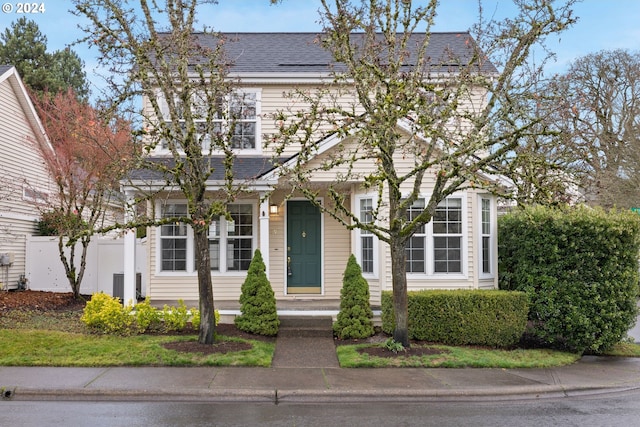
[620,410]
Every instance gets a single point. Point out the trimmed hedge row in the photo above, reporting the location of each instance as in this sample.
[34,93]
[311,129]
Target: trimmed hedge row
[462,317]
[579,267]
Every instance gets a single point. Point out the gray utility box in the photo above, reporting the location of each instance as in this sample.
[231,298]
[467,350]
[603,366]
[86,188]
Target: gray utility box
[118,286]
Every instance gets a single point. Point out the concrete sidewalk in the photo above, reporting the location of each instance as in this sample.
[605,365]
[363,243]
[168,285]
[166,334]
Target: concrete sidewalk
[589,375]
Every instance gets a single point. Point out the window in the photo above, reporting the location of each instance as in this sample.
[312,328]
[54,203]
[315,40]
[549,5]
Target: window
[236,235]
[415,249]
[366,237]
[239,111]
[447,236]
[486,235]
[173,239]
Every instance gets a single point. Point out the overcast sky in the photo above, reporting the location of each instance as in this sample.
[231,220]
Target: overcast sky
[602,25]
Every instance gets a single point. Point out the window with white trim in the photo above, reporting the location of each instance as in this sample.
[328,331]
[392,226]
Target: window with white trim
[366,237]
[236,236]
[485,230]
[415,248]
[447,236]
[239,110]
[173,239]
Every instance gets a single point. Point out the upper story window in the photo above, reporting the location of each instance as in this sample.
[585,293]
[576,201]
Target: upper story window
[236,114]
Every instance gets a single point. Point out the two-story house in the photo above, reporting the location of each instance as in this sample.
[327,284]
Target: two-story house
[305,250]
[27,185]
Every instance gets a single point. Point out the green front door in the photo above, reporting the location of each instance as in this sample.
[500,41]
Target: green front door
[304,254]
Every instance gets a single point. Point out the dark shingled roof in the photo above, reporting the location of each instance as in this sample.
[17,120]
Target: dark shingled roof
[4,68]
[244,168]
[303,53]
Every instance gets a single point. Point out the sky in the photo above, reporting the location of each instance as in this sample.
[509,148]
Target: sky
[602,24]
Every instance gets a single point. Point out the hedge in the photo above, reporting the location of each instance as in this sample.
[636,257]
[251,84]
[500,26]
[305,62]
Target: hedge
[579,267]
[462,317]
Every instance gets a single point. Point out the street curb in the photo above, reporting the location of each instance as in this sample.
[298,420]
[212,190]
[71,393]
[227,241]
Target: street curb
[275,396]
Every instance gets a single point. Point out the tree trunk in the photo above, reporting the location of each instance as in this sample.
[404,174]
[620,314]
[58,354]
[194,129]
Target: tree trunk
[205,288]
[400,299]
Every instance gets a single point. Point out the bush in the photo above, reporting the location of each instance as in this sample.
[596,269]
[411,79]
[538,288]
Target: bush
[464,317]
[146,317]
[579,267]
[195,318]
[354,318]
[105,314]
[175,318]
[257,301]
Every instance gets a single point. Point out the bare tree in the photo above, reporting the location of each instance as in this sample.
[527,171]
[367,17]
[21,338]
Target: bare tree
[415,120]
[597,118]
[90,153]
[154,52]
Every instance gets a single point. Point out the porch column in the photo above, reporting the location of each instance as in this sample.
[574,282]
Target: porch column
[129,252]
[264,230]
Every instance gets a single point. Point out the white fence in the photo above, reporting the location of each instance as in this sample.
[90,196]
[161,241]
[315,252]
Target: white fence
[45,271]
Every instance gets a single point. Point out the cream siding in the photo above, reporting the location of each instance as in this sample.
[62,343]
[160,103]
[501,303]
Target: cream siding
[22,168]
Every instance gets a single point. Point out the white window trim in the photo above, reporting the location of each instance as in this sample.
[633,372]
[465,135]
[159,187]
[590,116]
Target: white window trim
[429,249]
[159,149]
[359,235]
[190,270]
[159,271]
[224,239]
[492,237]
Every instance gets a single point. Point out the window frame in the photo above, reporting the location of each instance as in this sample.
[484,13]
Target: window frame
[190,245]
[363,234]
[225,238]
[256,149]
[161,238]
[428,237]
[491,236]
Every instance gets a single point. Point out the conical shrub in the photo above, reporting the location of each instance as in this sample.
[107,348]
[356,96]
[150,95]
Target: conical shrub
[354,318]
[257,301]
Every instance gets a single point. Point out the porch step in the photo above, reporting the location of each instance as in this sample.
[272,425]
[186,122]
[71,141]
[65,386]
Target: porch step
[317,326]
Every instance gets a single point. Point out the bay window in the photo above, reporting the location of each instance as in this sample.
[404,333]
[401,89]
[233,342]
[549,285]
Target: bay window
[447,236]
[436,248]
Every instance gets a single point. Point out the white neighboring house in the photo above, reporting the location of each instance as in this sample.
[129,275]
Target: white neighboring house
[26,182]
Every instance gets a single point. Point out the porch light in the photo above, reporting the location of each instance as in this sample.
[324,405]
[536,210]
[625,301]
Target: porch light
[273,209]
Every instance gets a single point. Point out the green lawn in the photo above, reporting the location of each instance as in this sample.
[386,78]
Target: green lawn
[24,347]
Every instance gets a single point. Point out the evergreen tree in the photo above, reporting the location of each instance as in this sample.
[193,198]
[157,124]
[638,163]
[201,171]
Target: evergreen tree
[354,318]
[257,301]
[25,47]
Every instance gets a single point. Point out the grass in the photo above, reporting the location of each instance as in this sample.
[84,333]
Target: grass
[457,357]
[623,349]
[34,338]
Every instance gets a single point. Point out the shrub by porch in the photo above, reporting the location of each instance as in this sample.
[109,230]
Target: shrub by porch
[462,317]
